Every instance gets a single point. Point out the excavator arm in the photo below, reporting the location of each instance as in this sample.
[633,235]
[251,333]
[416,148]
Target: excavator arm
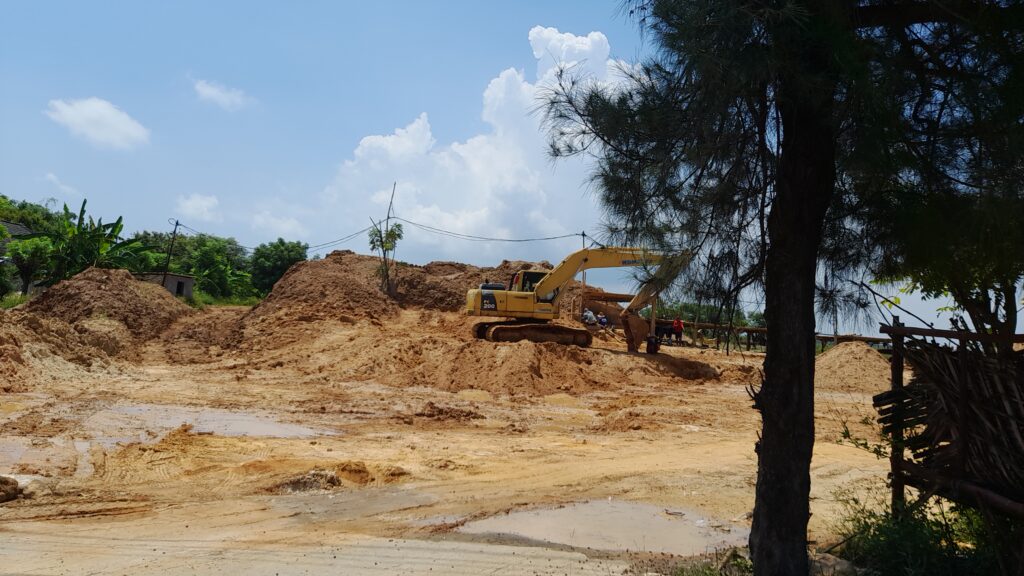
[635,328]
[549,289]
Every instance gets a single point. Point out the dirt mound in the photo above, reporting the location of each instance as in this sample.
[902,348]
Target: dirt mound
[443,285]
[627,421]
[436,350]
[348,473]
[8,489]
[852,367]
[85,320]
[143,308]
[205,335]
[341,285]
[30,344]
[340,288]
[436,412]
[344,287]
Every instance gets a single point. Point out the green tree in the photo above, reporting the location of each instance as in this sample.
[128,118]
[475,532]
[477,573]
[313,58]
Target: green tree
[217,266]
[36,217]
[383,240]
[30,258]
[270,261]
[758,137]
[5,273]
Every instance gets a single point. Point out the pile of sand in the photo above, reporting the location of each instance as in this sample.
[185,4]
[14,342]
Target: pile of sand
[205,335]
[85,320]
[852,367]
[344,288]
[443,285]
[437,350]
[28,343]
[106,300]
[342,285]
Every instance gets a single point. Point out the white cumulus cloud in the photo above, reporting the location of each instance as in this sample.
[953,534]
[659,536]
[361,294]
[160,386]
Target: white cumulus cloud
[98,122]
[552,48]
[230,99]
[199,207]
[278,225]
[62,187]
[499,183]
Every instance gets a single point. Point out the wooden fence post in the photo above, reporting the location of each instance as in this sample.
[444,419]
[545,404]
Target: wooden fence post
[896,455]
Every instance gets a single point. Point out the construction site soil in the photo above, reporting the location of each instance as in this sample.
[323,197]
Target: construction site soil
[330,427]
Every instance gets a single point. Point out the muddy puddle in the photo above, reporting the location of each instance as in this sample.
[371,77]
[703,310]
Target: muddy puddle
[11,451]
[616,525]
[146,422]
[384,503]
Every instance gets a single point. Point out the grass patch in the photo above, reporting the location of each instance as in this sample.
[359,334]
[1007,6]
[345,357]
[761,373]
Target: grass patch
[200,300]
[12,300]
[730,562]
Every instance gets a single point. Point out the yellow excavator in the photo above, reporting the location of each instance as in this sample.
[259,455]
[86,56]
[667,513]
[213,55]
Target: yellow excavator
[531,298]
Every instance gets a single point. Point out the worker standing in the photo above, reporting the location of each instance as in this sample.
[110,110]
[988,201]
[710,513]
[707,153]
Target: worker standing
[677,329]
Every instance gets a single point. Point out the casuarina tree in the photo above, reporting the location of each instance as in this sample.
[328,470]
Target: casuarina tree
[763,137]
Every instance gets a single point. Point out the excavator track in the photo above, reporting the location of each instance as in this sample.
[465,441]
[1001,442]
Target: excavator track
[514,331]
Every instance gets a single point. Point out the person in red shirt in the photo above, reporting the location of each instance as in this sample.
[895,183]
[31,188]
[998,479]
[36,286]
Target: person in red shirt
[677,329]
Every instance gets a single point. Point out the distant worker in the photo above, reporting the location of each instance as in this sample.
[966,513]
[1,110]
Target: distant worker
[602,320]
[677,329]
[588,317]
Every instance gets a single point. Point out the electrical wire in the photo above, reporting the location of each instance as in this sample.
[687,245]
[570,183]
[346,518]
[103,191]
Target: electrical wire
[424,227]
[179,224]
[341,240]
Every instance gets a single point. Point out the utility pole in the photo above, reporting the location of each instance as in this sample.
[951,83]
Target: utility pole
[387,228]
[167,263]
[583,291]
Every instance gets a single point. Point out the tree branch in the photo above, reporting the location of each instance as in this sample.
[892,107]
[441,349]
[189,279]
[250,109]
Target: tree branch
[911,13]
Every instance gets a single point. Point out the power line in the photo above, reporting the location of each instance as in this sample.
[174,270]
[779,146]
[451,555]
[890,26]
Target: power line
[341,240]
[201,233]
[424,227]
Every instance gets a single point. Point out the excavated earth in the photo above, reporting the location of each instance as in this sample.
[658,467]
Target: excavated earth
[329,428]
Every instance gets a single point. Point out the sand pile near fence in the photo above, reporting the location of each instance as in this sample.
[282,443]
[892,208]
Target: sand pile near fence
[852,367]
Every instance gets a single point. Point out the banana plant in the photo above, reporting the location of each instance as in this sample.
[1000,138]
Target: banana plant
[80,242]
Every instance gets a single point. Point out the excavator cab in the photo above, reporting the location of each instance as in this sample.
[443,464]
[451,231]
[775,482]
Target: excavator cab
[526,280]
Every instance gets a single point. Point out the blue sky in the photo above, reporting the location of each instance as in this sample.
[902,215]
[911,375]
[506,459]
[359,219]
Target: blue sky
[236,117]
[259,119]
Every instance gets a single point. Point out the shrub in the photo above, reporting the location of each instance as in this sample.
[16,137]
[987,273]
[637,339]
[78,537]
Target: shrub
[927,540]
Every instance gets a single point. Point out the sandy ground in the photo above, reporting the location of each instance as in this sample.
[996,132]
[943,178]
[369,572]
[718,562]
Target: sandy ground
[277,464]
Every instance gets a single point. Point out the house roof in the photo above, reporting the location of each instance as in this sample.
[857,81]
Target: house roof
[14,228]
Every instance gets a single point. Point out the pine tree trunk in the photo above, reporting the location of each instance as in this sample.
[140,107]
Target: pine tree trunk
[804,187]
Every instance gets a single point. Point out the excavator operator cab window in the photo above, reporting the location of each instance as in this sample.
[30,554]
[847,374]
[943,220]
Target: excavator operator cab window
[530,280]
